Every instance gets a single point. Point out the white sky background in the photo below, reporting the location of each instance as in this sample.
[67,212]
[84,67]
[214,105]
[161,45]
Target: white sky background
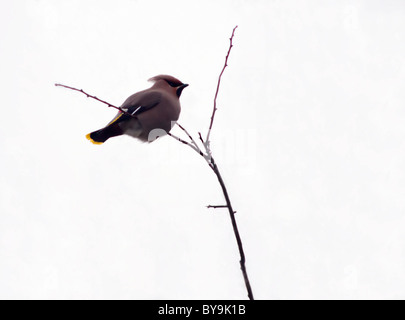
[309,135]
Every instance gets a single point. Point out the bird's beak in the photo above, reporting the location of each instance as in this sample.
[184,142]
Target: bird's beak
[180,89]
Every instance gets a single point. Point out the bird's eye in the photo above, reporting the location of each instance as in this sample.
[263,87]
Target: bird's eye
[172,84]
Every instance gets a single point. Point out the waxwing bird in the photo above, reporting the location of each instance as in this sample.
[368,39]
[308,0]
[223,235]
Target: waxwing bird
[153,111]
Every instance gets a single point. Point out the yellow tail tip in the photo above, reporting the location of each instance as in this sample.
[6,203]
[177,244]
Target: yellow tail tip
[91,140]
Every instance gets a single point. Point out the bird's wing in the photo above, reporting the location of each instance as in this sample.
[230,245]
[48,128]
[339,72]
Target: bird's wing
[136,104]
[141,101]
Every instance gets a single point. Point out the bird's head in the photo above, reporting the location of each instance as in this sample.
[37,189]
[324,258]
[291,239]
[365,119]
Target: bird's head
[171,82]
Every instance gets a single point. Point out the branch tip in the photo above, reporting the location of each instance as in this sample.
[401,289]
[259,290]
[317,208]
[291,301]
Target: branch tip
[217,206]
[218,85]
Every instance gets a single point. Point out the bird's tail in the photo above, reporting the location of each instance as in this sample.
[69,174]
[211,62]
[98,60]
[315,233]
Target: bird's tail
[102,135]
[97,137]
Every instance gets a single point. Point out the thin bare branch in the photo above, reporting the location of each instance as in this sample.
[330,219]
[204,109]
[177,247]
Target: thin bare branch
[216,207]
[207,139]
[89,96]
[181,140]
[95,98]
[202,141]
[235,229]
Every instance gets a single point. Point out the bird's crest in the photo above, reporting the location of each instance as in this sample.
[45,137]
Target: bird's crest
[167,78]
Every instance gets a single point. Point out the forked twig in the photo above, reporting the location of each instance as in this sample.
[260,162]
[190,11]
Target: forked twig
[189,136]
[194,147]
